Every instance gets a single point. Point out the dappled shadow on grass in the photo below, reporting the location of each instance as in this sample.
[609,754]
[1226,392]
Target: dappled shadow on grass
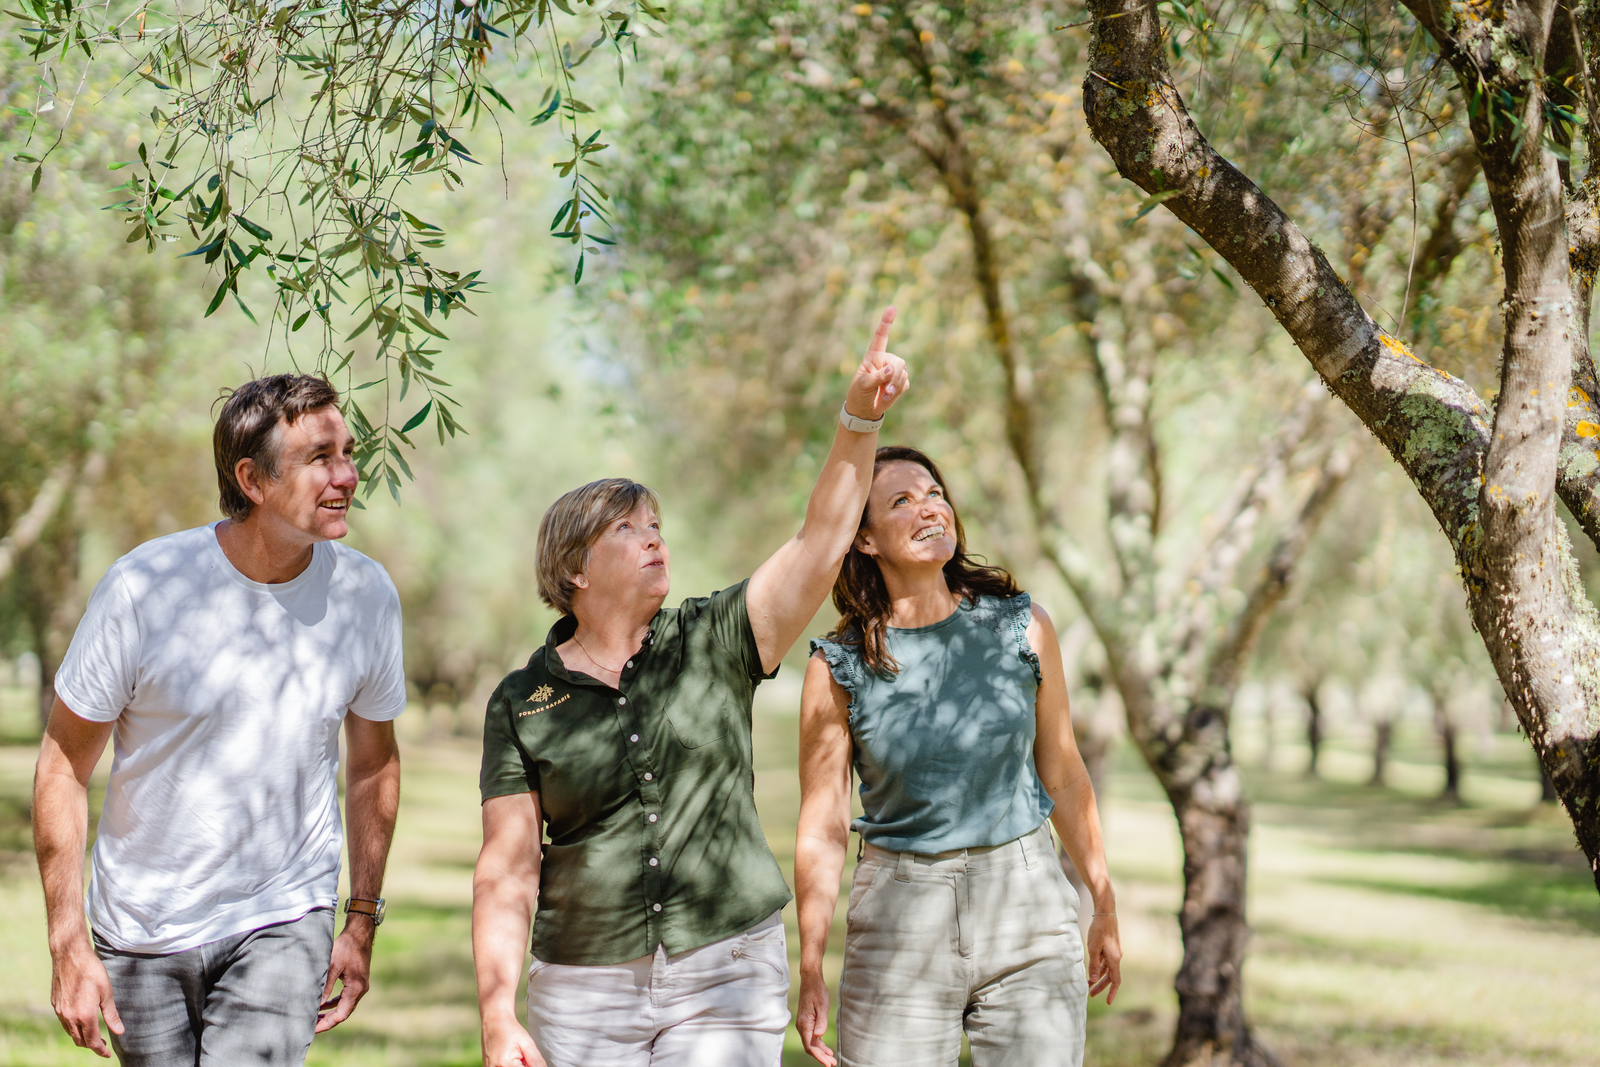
[1545,893]
[347,1046]
[1359,1042]
[1538,872]
[1274,939]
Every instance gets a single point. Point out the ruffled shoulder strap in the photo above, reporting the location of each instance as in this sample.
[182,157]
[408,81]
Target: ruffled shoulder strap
[844,663]
[1017,613]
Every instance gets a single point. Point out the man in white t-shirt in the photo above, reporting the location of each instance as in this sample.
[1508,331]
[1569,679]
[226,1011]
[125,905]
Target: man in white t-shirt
[223,661]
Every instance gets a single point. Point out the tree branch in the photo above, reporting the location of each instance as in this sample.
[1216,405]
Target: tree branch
[28,528]
[1227,660]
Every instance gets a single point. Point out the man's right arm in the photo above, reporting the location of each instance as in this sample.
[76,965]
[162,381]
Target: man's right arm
[80,990]
[505,887]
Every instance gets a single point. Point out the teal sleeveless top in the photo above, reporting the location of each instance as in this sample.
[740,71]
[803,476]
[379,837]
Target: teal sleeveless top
[944,749]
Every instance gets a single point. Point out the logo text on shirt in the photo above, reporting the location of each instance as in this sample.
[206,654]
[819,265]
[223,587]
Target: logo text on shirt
[543,693]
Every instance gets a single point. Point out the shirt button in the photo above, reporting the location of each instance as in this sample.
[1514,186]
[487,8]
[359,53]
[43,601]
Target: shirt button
[629,663]
[622,700]
[652,818]
[633,737]
[648,776]
[654,862]
[655,907]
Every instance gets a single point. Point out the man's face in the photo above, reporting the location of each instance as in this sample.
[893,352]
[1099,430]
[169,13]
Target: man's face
[316,477]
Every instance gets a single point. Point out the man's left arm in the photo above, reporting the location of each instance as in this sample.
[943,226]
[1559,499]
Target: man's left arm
[372,798]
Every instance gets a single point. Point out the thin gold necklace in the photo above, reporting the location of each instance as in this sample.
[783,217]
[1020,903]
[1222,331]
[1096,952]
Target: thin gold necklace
[597,663]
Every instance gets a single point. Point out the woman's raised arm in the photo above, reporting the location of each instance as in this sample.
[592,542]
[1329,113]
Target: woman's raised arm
[821,841]
[786,590]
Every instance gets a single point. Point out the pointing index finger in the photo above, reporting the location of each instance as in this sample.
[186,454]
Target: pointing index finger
[880,340]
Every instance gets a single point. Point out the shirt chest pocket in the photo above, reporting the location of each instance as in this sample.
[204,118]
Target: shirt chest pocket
[697,730]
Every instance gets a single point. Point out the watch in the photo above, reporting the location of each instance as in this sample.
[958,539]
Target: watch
[373,909]
[855,425]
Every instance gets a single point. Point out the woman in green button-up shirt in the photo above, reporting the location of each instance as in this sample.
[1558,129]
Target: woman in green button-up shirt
[654,906]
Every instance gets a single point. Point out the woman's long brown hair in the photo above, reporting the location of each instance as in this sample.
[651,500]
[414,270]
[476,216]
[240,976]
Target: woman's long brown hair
[862,597]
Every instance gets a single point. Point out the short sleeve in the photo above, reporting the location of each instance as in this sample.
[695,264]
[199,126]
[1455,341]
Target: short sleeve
[96,679]
[382,696]
[728,614]
[506,769]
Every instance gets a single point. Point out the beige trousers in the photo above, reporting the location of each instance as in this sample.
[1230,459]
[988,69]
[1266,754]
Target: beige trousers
[983,939]
[721,1005]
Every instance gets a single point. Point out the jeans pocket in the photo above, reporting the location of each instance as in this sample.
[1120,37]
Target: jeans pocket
[865,878]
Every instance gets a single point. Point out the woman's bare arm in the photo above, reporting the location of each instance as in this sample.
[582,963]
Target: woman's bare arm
[505,888]
[786,591]
[1076,816]
[821,840]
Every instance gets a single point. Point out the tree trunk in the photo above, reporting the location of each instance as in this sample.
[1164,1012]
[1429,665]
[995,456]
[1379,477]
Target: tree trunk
[1382,736]
[1449,737]
[1313,731]
[1547,788]
[1214,821]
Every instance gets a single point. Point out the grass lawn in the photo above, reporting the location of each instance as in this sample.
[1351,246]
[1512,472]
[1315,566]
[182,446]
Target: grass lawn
[1389,930]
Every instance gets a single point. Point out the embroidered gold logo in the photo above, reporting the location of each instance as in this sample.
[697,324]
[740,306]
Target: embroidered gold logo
[543,693]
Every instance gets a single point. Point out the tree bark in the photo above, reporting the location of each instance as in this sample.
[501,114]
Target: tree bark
[1214,822]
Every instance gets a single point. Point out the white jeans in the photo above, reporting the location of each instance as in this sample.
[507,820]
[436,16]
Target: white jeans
[725,1004]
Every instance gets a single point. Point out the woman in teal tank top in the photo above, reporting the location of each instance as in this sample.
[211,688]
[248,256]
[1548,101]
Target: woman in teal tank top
[943,688]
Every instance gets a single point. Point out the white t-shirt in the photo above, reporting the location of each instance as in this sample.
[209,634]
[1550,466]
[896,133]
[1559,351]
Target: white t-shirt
[222,813]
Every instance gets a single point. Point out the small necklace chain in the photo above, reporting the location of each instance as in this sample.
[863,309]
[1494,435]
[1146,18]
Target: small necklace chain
[596,662]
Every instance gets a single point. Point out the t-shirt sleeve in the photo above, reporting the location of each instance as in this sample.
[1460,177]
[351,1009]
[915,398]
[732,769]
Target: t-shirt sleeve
[506,770]
[728,615]
[382,696]
[97,678]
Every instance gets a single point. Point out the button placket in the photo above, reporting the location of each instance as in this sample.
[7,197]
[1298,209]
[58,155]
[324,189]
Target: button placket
[630,722]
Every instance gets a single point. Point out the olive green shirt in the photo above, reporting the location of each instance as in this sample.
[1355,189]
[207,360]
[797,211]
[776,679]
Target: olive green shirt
[647,789]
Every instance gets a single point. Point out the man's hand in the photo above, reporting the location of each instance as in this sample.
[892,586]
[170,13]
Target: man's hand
[507,1044]
[812,1019]
[881,379]
[1105,957]
[80,992]
[351,964]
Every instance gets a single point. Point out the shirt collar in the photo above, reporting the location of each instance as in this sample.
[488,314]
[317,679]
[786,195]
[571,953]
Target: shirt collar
[562,632]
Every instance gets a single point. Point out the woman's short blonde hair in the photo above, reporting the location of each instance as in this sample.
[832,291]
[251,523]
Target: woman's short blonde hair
[572,526]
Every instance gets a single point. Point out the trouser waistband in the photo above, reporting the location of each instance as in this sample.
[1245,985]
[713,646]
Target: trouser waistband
[1030,848]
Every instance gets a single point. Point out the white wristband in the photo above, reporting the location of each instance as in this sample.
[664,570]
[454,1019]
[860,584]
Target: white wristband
[855,425]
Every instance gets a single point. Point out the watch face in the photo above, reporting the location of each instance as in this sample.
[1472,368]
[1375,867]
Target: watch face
[377,916]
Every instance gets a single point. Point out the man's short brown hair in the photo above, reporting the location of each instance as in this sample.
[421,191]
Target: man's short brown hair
[248,429]
[571,527]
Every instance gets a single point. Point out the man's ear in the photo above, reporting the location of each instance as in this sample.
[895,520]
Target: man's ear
[580,580]
[244,472]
